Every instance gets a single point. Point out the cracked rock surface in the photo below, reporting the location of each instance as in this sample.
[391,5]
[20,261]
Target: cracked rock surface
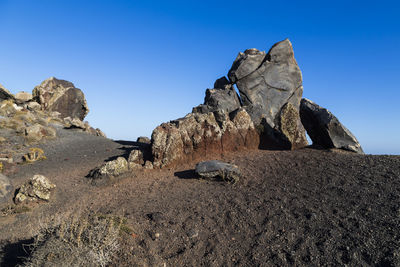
[268,82]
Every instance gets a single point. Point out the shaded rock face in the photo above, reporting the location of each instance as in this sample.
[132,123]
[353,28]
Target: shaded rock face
[36,188]
[5,94]
[267,83]
[198,136]
[324,128]
[215,169]
[61,96]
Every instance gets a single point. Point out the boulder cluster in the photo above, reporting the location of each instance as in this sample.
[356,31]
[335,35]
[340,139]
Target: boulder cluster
[35,116]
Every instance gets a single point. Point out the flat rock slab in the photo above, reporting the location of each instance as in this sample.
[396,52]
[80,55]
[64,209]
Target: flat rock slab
[215,169]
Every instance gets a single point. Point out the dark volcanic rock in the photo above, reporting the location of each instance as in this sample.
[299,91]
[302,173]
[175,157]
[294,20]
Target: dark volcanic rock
[324,128]
[267,83]
[217,169]
[222,83]
[61,96]
[222,98]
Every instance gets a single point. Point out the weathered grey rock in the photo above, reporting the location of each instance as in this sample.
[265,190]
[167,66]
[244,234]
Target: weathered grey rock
[22,97]
[5,94]
[36,188]
[222,98]
[324,128]
[215,169]
[6,188]
[266,83]
[222,83]
[61,96]
[111,168]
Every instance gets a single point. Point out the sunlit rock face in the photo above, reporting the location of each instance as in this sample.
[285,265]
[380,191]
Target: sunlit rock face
[61,96]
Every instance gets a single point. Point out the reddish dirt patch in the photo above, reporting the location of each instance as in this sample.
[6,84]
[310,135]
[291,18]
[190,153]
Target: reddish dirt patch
[304,207]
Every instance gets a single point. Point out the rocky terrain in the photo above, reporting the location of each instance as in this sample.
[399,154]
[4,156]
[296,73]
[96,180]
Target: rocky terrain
[233,183]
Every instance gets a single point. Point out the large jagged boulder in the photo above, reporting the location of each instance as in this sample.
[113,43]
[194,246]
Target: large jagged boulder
[270,87]
[5,94]
[61,96]
[198,135]
[325,130]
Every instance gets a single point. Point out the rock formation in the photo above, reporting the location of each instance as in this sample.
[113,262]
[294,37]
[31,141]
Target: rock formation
[270,87]
[265,116]
[324,128]
[61,96]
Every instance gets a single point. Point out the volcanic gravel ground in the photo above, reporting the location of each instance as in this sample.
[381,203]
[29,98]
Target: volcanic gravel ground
[305,207]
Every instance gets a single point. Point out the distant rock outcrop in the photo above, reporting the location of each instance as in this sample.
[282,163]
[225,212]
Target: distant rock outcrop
[61,96]
[324,128]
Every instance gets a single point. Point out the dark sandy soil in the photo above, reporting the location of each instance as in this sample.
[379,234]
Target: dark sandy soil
[304,208]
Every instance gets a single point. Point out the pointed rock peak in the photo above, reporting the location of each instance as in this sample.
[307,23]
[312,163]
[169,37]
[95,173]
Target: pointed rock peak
[281,52]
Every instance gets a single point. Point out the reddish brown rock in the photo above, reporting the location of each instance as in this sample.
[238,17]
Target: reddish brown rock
[198,136]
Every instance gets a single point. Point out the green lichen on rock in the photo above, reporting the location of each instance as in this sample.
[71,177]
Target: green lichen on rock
[288,121]
[111,168]
[36,188]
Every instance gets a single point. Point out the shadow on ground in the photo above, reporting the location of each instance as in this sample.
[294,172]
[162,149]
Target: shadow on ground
[188,174]
[15,254]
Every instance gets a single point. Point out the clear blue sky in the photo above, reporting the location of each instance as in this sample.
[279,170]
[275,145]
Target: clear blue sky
[141,63]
